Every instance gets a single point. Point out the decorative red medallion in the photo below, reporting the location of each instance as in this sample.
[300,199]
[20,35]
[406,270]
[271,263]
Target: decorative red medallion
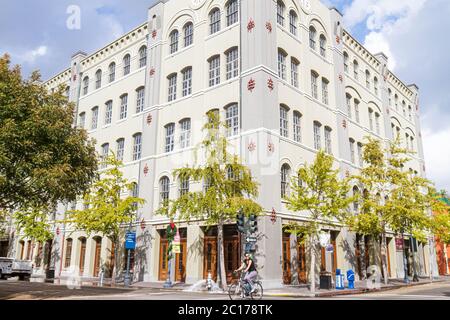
[146,170]
[338,39]
[344,123]
[251,146]
[251,85]
[143,224]
[271,147]
[273,216]
[152,71]
[270,84]
[269,26]
[149,119]
[341,78]
[250,25]
[57,231]
[154,34]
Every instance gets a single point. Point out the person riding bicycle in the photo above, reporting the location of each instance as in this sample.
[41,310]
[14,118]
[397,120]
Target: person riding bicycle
[248,266]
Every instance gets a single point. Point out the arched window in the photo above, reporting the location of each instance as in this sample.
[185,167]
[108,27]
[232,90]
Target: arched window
[317,135]
[214,21]
[360,154]
[188,34]
[282,64]
[280,13]
[214,70]
[123,106]
[183,185]
[323,45]
[112,72]
[346,57]
[368,79]
[85,85]
[137,146]
[69,243]
[142,56]
[375,86]
[185,133]
[82,120]
[410,113]
[285,177]
[120,149]
[390,97]
[377,122]
[232,63]
[174,41]
[232,119]
[352,150]
[126,65]
[297,128]
[94,119]
[396,101]
[164,189]
[172,87]
[294,72]
[284,122]
[314,79]
[325,91]
[349,105]
[187,81]
[140,99]
[328,144]
[232,8]
[105,154]
[357,110]
[370,119]
[355,69]
[293,22]
[98,79]
[356,201]
[170,137]
[312,37]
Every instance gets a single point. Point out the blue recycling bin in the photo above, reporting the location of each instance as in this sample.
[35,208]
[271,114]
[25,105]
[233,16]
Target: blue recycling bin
[351,279]
[339,280]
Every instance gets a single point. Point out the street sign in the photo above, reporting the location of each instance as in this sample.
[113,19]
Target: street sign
[130,241]
[176,247]
[251,239]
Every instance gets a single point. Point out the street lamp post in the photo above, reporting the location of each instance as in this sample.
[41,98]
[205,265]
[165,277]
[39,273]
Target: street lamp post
[405,261]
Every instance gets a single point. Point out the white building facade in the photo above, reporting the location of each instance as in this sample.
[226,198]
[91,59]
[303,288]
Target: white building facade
[285,76]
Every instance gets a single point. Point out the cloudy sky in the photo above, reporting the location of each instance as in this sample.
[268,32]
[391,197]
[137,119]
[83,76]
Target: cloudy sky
[413,33]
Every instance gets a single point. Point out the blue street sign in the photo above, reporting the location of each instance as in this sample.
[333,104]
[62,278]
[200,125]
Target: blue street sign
[130,241]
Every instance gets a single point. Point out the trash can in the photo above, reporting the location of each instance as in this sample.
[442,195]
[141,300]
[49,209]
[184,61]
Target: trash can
[351,279]
[325,281]
[339,280]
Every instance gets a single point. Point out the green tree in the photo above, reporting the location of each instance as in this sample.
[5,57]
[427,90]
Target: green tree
[228,188]
[34,223]
[105,210]
[44,159]
[318,190]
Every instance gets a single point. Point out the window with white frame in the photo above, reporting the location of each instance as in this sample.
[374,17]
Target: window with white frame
[375,86]
[185,133]
[172,87]
[396,101]
[112,72]
[390,97]
[352,150]
[294,72]
[328,144]
[137,146]
[82,120]
[377,122]
[94,123]
[317,135]
[108,112]
[370,119]
[126,65]
[164,190]
[293,22]
[105,153]
[170,137]
[349,105]
[314,90]
[280,13]
[282,64]
[98,79]
[407,141]
[312,37]
[360,154]
[232,119]
[120,149]
[410,113]
[85,85]
[367,79]
[284,122]
[355,69]
[123,106]
[214,71]
[323,45]
[183,186]
[188,34]
[285,179]
[187,81]
[140,98]
[142,56]
[297,128]
[412,143]
[346,57]
[232,63]
[214,21]
[232,8]
[174,41]
[324,91]
[357,110]
[404,108]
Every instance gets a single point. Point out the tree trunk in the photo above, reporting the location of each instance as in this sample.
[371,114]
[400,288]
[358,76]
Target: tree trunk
[384,257]
[313,264]
[115,262]
[222,274]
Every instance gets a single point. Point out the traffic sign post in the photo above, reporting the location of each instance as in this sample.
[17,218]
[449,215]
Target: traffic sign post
[130,244]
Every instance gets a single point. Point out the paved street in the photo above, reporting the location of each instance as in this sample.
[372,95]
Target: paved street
[17,290]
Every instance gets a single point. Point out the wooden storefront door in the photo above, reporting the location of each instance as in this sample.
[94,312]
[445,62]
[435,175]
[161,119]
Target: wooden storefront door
[210,258]
[163,261]
[97,258]
[232,254]
[180,262]
[287,275]
[82,254]
[301,268]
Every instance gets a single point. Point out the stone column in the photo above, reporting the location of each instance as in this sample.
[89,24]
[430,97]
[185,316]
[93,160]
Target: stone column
[194,261]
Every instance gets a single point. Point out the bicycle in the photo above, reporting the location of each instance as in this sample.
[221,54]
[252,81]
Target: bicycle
[238,290]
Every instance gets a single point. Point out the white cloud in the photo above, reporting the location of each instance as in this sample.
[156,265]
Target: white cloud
[32,55]
[437,155]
